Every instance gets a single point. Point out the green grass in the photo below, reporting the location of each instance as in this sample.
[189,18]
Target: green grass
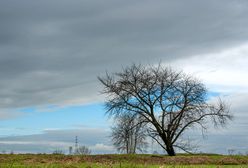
[126,165]
[122,161]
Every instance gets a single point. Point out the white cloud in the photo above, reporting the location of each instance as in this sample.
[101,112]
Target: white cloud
[234,135]
[222,71]
[48,143]
[102,148]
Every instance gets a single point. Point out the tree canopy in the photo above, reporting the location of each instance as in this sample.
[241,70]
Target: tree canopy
[169,101]
[129,134]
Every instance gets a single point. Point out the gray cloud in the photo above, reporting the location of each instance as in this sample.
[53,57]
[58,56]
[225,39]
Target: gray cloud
[232,136]
[96,139]
[52,51]
[10,114]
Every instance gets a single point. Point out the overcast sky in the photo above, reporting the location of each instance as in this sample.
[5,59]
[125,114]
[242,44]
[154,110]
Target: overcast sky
[52,51]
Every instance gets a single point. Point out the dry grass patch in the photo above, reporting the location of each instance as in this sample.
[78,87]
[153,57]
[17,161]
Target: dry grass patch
[109,160]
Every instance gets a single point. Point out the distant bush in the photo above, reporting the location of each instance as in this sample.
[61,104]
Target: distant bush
[58,152]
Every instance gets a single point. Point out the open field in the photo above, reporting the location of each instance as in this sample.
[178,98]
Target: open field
[124,161]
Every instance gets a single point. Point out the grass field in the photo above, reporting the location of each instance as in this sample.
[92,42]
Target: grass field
[122,161]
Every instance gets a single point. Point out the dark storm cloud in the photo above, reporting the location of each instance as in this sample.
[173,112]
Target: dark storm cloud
[52,51]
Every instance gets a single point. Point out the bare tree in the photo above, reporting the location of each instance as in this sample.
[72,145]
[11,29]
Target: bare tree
[128,134]
[83,150]
[170,101]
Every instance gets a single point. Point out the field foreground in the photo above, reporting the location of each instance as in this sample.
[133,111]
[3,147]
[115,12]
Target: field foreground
[121,161]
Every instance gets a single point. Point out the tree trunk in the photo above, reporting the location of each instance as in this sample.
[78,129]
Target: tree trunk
[169,147]
[170,150]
